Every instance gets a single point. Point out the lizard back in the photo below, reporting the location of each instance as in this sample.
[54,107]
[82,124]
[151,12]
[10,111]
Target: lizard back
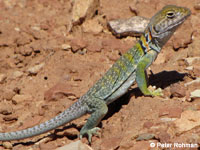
[118,74]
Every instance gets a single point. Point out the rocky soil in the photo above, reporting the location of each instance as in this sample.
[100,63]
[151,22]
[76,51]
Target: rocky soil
[53,51]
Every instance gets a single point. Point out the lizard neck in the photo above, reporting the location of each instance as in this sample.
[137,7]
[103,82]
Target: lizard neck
[148,42]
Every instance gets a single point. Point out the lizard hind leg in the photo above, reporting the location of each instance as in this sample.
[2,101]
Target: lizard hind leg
[98,110]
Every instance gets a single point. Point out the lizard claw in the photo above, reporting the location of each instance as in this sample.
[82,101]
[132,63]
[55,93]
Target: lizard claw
[90,133]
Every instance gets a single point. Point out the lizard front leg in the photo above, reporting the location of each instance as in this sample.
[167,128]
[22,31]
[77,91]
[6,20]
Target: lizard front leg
[141,77]
[98,110]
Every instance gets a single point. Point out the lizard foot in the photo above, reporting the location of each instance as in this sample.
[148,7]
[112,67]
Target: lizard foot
[156,92]
[90,133]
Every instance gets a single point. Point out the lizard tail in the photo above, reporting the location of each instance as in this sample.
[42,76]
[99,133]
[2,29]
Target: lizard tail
[75,111]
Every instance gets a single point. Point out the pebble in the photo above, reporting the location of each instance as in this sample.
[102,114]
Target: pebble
[163,136]
[17,29]
[35,69]
[171,112]
[111,143]
[197,6]
[6,109]
[78,145]
[83,9]
[197,80]
[66,47]
[88,27]
[133,26]
[148,124]
[195,94]
[8,94]
[189,120]
[78,44]
[178,90]
[7,145]
[189,61]
[167,119]
[145,136]
[2,77]
[17,74]
[21,98]
[190,68]
[36,28]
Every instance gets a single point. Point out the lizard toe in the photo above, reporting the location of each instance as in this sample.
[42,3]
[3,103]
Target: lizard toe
[90,133]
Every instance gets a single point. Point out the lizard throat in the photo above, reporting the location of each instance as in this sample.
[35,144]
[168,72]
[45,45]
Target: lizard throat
[147,43]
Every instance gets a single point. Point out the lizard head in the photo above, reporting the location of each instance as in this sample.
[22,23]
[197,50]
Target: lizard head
[165,22]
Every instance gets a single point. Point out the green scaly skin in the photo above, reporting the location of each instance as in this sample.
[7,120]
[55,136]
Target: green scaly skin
[129,68]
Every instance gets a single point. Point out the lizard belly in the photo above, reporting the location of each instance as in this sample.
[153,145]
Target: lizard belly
[122,89]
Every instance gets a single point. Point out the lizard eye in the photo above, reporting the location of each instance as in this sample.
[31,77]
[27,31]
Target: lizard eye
[170,15]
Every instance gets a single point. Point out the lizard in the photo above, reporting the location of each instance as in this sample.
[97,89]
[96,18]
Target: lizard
[130,67]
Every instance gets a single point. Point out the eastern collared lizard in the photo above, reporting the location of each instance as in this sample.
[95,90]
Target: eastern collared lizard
[129,68]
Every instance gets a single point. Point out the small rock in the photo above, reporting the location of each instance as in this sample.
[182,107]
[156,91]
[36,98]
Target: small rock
[8,94]
[133,26]
[189,120]
[160,59]
[17,29]
[69,132]
[21,98]
[36,28]
[178,90]
[191,60]
[195,94]
[167,119]
[148,124]
[58,91]
[26,50]
[92,26]
[196,71]
[2,78]
[10,118]
[7,145]
[82,51]
[194,138]
[140,145]
[172,112]
[190,68]
[175,112]
[35,69]
[78,145]
[17,74]
[192,50]
[145,136]
[113,56]
[66,47]
[72,97]
[6,109]
[163,112]
[163,137]
[182,40]
[197,6]
[197,80]
[83,9]
[78,44]
[43,145]
[111,143]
